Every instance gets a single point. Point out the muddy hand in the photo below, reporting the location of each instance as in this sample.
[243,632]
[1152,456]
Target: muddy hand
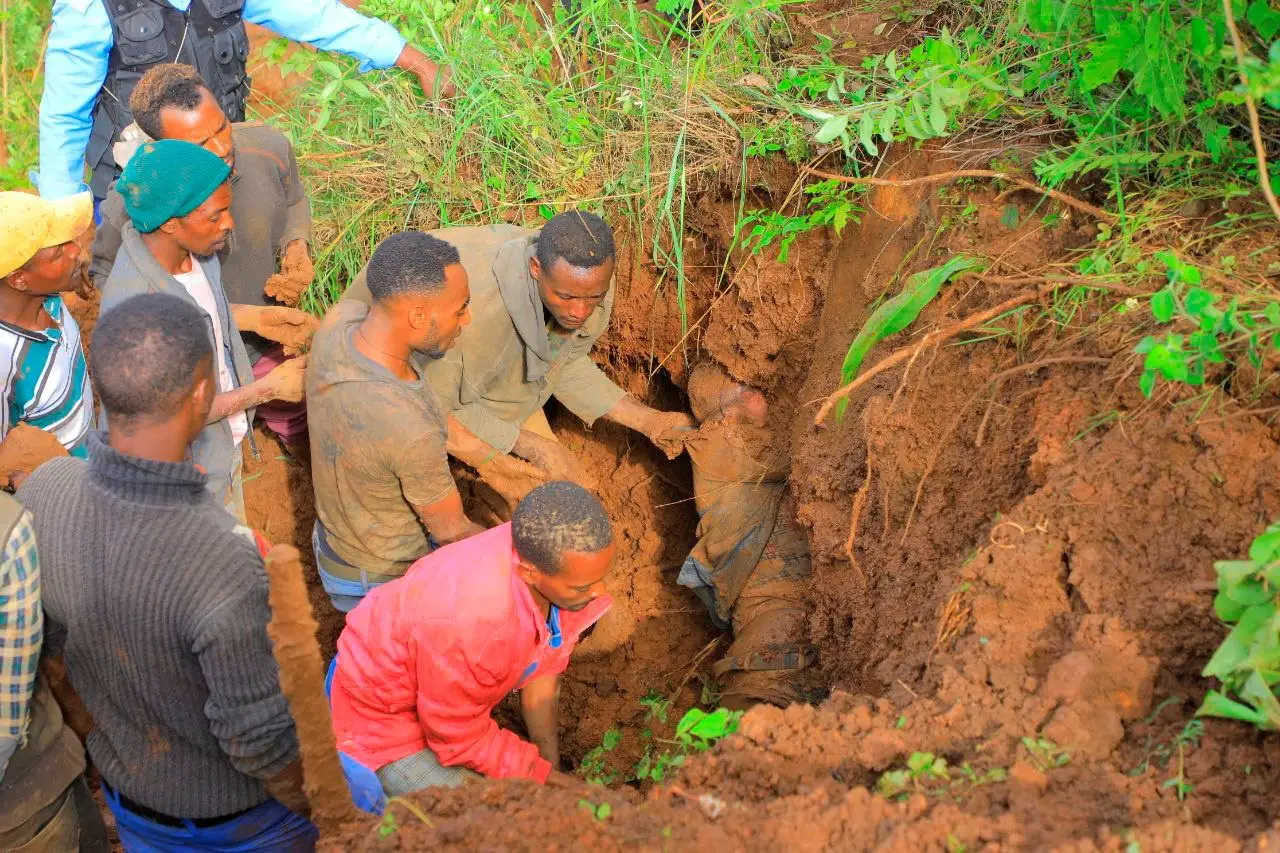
[669,431]
[512,478]
[295,276]
[288,326]
[24,450]
[287,382]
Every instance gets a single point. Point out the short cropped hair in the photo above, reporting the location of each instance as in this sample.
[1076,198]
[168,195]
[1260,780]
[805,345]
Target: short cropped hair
[557,517]
[582,240]
[145,353]
[167,86]
[410,263]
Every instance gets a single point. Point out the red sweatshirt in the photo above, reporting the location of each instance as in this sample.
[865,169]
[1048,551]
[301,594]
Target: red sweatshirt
[425,658]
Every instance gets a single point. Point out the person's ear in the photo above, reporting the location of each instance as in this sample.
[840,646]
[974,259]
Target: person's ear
[169,226]
[535,268]
[417,315]
[528,573]
[202,394]
[17,280]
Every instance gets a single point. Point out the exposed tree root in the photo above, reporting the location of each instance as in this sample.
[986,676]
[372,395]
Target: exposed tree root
[897,357]
[944,177]
[859,502]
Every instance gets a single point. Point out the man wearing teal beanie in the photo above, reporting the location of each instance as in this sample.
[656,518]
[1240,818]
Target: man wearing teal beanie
[178,198]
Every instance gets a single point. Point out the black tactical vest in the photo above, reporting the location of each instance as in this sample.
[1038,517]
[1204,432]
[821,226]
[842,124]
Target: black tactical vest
[209,36]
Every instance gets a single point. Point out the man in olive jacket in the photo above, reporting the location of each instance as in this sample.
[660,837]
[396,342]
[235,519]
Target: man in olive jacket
[539,301]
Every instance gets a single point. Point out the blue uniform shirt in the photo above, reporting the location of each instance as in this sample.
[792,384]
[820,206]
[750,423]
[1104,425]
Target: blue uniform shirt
[80,42]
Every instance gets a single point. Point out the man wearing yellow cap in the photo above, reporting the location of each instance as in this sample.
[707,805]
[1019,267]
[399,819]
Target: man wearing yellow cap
[43,380]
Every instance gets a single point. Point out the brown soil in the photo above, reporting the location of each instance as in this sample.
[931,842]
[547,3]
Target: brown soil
[1026,599]
[1009,574]
[24,449]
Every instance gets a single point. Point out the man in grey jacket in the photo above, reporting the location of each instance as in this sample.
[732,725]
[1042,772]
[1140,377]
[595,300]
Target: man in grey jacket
[158,600]
[178,197]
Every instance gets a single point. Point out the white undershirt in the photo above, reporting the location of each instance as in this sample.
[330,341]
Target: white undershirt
[197,284]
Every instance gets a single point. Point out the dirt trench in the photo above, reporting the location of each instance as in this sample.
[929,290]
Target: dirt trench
[1025,597]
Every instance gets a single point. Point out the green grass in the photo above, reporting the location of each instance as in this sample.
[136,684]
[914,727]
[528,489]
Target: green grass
[21,45]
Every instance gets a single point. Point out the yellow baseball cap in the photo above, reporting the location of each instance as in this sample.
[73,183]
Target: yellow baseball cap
[29,223]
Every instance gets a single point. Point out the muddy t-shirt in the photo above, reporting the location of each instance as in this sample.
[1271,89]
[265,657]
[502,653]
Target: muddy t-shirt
[377,448]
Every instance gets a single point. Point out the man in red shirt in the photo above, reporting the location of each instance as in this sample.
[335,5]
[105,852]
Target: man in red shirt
[425,658]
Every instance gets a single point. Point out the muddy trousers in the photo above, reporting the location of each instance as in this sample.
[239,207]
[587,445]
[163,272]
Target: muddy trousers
[70,823]
[268,827]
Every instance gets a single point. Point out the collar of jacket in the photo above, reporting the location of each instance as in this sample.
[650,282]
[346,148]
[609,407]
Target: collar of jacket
[520,294]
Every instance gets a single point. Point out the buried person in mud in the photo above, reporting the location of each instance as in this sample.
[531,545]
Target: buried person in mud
[425,659]
[540,299]
[750,564]
[178,197]
[268,203]
[158,600]
[47,404]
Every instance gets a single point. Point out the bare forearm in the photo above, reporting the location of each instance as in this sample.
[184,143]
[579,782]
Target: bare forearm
[446,520]
[539,704]
[464,446]
[238,400]
[631,413]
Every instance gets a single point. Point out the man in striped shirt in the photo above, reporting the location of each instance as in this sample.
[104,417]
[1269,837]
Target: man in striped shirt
[43,378]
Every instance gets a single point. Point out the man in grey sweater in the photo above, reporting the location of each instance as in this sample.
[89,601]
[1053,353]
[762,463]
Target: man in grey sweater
[158,600]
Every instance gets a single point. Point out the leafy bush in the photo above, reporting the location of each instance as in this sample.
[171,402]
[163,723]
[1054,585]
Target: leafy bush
[1223,333]
[1248,661]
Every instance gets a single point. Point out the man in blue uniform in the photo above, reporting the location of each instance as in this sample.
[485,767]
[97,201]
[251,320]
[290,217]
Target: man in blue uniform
[99,49]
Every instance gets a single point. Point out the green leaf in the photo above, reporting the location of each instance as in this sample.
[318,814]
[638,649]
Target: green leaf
[901,311]
[357,88]
[831,128]
[1266,547]
[1147,383]
[887,121]
[1217,705]
[1162,305]
[1272,313]
[1108,57]
[1249,592]
[603,811]
[1226,609]
[937,118]
[866,133]
[1009,217]
[891,64]
[329,67]
[1198,299]
[1263,18]
[330,88]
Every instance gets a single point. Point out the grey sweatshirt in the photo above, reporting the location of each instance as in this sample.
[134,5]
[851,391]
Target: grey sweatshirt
[160,604]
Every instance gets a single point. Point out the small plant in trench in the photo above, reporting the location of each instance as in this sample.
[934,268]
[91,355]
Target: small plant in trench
[595,767]
[1248,661]
[930,774]
[830,204]
[600,811]
[697,731]
[1045,754]
[1224,333]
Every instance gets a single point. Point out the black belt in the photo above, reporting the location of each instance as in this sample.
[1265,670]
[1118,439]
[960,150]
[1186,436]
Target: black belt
[166,820]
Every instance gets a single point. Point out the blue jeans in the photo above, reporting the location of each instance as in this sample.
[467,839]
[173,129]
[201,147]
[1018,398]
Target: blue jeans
[269,827]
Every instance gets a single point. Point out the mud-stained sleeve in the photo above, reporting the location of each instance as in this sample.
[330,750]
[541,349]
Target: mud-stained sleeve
[585,390]
[107,238]
[422,467]
[247,713]
[297,223]
[447,379]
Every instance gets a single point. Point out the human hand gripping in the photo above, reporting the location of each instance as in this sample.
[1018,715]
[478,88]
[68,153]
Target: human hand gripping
[287,382]
[295,276]
[288,326]
[669,431]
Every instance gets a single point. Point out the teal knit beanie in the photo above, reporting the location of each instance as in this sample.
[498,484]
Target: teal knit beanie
[168,178]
